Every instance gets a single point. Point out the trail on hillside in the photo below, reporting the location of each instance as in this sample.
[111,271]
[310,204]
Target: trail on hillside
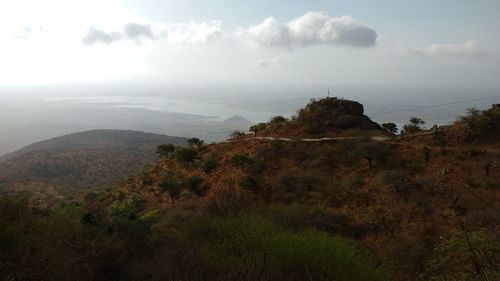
[374,138]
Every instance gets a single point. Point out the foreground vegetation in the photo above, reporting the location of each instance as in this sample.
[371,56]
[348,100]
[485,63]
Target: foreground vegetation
[69,243]
[405,208]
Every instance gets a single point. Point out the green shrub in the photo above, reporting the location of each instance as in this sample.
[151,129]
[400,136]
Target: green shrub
[277,120]
[483,125]
[126,208]
[94,196]
[258,127]
[195,142]
[276,145]
[184,154]
[390,127]
[461,254]
[242,160]
[193,184]
[209,163]
[250,183]
[251,248]
[474,151]
[165,150]
[414,126]
[238,134]
[172,187]
[88,219]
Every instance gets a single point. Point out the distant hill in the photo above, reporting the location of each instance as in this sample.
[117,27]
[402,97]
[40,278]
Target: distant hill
[236,119]
[70,164]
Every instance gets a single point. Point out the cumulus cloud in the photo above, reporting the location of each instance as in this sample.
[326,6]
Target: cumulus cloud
[313,28]
[178,33]
[135,30]
[467,49]
[95,35]
[194,33]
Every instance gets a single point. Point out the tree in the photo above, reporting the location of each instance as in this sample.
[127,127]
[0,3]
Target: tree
[195,142]
[390,127]
[258,127]
[277,119]
[172,187]
[237,134]
[165,150]
[185,154]
[414,126]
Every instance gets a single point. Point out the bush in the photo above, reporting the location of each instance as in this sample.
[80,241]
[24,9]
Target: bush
[414,126]
[184,154]
[193,184]
[238,134]
[227,201]
[88,219]
[172,187]
[276,145]
[277,120]
[482,125]
[165,150]
[459,256]
[390,127]
[258,127]
[242,160]
[249,182]
[195,142]
[126,208]
[299,182]
[253,248]
[209,163]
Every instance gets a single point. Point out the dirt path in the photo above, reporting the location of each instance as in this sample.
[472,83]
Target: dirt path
[374,138]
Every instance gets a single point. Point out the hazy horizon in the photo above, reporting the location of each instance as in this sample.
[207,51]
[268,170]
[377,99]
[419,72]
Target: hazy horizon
[183,67]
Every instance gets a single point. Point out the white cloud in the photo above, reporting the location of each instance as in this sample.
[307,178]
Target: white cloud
[177,33]
[95,35]
[135,30]
[194,33]
[467,49]
[312,29]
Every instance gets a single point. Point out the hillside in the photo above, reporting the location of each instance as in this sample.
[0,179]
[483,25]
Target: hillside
[67,166]
[328,117]
[421,206]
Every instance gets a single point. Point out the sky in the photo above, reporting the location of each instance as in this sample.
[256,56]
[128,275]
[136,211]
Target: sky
[441,44]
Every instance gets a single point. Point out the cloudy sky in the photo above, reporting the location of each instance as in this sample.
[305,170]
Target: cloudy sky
[427,43]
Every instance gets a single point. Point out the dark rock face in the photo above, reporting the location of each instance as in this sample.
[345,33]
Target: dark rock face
[337,106]
[334,113]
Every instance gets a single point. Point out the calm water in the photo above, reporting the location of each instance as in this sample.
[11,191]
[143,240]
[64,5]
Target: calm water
[214,111]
